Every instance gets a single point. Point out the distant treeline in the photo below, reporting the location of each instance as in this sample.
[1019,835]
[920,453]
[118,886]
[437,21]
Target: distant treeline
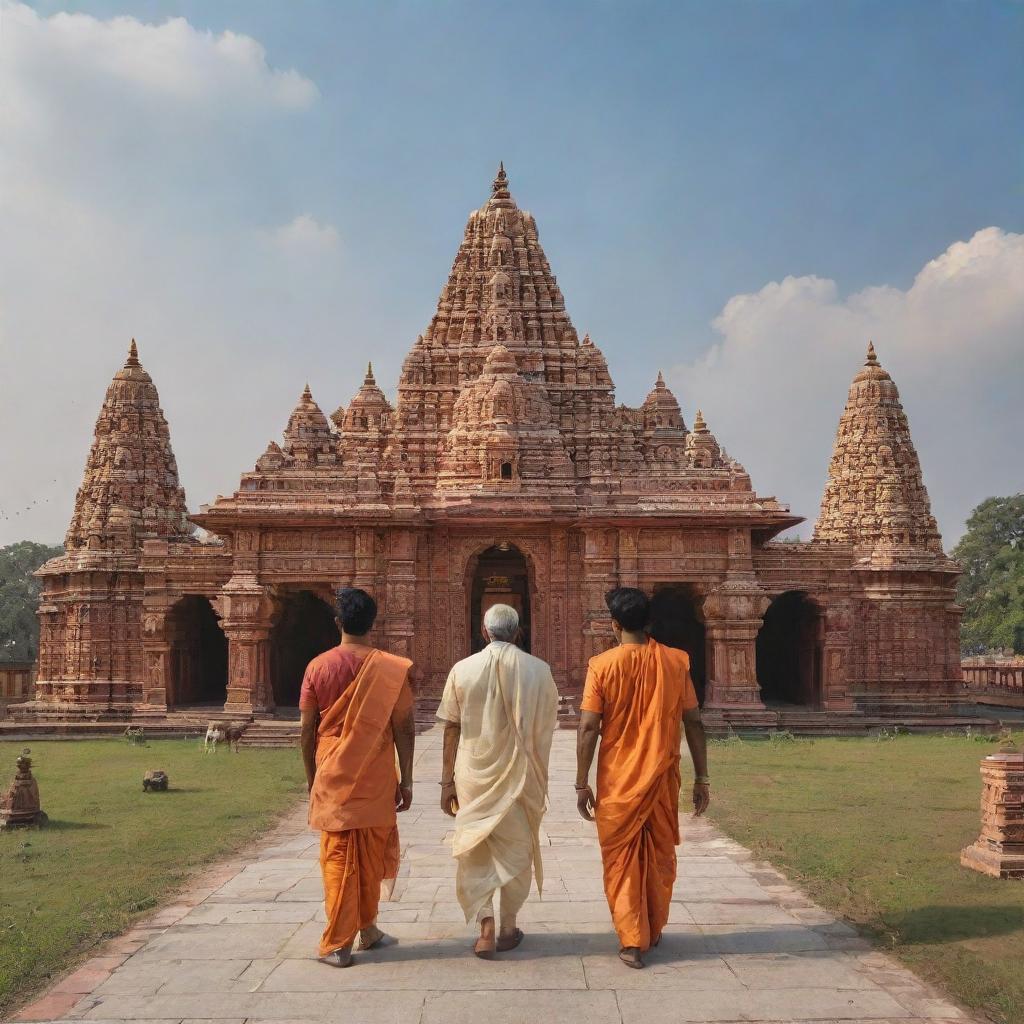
[19,597]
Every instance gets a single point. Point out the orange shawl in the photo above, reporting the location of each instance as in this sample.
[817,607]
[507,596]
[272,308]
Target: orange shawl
[355,780]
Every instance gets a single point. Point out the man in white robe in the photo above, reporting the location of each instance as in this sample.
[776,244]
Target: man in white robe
[500,708]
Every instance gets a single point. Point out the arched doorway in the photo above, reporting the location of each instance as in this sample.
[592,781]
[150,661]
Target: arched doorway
[789,651]
[500,575]
[303,628]
[676,621]
[199,654]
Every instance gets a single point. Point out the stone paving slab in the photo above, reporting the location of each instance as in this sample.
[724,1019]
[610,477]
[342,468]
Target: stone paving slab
[742,944]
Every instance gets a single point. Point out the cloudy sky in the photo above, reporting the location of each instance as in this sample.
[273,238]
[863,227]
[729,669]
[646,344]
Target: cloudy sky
[741,194]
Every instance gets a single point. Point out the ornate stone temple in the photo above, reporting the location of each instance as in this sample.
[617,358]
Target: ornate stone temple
[503,470]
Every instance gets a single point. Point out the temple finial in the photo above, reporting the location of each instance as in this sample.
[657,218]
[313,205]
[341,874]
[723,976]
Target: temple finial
[133,354]
[660,382]
[500,184]
[698,423]
[369,378]
[872,359]
[306,393]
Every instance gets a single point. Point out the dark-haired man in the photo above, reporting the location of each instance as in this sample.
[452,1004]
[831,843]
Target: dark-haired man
[357,711]
[635,697]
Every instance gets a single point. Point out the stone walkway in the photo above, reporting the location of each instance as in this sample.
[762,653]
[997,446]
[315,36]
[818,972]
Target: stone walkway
[742,944]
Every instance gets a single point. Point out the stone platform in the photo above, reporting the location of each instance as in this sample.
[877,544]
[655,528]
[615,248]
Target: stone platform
[742,944]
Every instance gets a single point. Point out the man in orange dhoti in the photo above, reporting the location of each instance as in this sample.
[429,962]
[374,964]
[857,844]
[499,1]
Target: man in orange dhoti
[357,711]
[635,697]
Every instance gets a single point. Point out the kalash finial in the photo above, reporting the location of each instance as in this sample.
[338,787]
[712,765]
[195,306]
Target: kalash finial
[369,380]
[500,183]
[660,382]
[698,423]
[307,395]
[133,354]
[872,359]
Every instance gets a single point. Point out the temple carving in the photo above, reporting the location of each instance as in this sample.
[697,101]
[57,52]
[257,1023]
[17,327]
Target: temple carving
[503,469]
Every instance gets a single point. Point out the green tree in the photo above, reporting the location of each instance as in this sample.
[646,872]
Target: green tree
[991,589]
[19,596]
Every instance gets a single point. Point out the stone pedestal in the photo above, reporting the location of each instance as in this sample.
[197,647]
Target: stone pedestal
[999,850]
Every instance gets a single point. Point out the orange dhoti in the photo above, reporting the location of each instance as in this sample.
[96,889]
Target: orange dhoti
[355,865]
[640,864]
[352,800]
[641,692]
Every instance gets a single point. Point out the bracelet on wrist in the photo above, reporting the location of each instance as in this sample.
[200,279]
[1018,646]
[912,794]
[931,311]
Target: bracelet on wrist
[580,789]
[450,782]
[702,780]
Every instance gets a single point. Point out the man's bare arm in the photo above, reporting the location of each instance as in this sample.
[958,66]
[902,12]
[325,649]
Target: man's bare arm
[586,746]
[449,799]
[697,741]
[403,728]
[307,742]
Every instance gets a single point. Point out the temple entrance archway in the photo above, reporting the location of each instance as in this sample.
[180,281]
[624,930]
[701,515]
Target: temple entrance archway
[677,621]
[789,651]
[304,627]
[199,654]
[498,575]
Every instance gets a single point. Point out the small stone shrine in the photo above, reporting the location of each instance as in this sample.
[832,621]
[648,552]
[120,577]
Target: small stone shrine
[999,850]
[20,803]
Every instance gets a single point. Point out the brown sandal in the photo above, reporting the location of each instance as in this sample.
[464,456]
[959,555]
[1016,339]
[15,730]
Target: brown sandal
[630,956]
[508,942]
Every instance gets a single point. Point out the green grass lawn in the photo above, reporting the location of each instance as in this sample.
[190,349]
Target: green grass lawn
[111,852]
[873,830]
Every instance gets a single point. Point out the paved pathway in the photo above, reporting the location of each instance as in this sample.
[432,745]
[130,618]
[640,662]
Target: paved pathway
[742,944]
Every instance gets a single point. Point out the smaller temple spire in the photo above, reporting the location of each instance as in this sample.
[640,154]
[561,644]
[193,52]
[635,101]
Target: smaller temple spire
[133,354]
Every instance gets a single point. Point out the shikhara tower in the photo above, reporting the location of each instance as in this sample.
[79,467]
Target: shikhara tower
[502,469]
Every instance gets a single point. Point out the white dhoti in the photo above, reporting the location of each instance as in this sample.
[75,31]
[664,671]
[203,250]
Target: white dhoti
[506,703]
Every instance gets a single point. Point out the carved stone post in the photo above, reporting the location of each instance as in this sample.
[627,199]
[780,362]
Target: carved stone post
[157,640]
[733,613]
[400,593]
[246,609]
[999,850]
[599,576]
[835,654]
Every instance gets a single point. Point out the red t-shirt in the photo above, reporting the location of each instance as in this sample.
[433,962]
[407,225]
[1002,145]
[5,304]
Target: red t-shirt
[328,675]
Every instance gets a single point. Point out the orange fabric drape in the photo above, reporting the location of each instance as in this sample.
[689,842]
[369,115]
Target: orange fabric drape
[355,780]
[641,692]
[354,863]
[352,800]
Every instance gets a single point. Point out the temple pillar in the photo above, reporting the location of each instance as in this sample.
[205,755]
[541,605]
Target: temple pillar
[835,653]
[733,613]
[157,640]
[245,607]
[400,593]
[599,576]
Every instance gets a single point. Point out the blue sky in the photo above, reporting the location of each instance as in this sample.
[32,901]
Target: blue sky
[676,156]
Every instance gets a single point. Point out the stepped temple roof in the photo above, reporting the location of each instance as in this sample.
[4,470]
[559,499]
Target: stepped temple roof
[500,406]
[130,490]
[875,497]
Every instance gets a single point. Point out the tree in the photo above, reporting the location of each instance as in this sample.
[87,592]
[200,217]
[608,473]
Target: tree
[991,589]
[19,597]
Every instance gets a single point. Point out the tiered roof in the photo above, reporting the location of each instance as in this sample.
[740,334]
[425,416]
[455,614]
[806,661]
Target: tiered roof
[130,490]
[875,497]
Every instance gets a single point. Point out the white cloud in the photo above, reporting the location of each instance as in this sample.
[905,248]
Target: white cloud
[774,385]
[173,61]
[304,233]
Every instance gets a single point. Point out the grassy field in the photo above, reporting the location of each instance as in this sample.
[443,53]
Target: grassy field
[873,830]
[110,852]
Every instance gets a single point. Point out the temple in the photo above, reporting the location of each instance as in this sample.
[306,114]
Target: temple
[503,470]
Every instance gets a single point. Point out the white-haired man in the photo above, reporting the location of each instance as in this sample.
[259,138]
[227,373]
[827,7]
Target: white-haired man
[500,709]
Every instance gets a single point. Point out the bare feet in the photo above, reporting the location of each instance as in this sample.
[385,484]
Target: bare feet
[338,958]
[374,938]
[486,944]
[630,956]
